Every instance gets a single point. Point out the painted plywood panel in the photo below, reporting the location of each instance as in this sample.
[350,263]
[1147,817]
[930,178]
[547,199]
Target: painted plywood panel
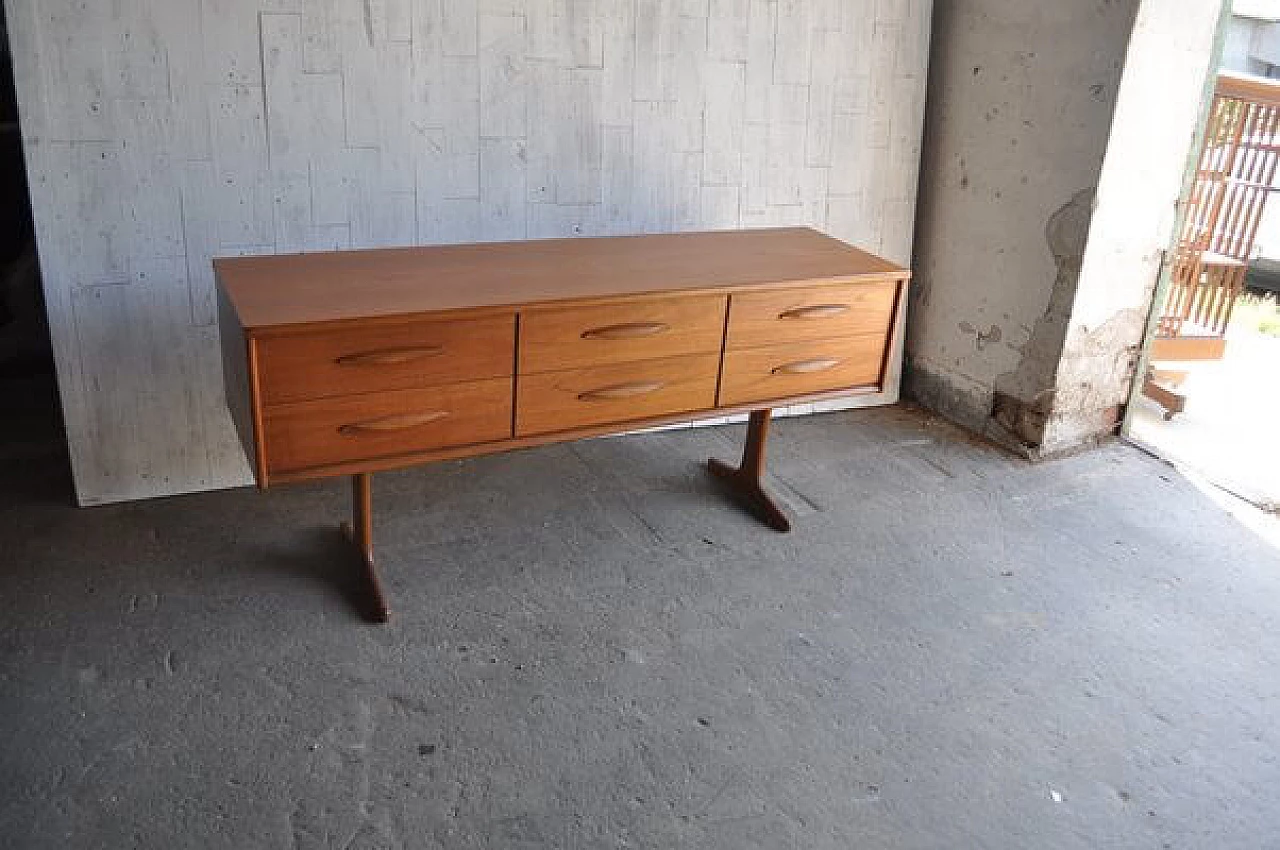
[161,135]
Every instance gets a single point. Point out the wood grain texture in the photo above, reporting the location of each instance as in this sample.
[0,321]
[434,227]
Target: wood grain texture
[360,532]
[746,479]
[811,313]
[570,337]
[389,356]
[798,368]
[271,292]
[618,393]
[607,359]
[309,433]
[719,416]
[161,135]
[237,375]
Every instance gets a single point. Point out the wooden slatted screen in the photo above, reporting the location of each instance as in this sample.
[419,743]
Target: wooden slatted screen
[1234,179]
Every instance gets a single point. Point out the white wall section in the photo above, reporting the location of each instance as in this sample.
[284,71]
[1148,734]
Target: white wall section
[162,134]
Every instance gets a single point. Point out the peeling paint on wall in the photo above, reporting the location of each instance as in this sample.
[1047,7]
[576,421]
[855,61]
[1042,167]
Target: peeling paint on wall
[1161,99]
[1024,397]
[1029,102]
[1021,101]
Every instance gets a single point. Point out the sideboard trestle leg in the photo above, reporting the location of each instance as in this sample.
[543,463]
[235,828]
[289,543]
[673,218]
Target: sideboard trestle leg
[360,532]
[745,479]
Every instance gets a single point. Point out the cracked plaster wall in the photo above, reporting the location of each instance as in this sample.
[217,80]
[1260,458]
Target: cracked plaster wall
[1021,97]
[1047,193]
[1158,111]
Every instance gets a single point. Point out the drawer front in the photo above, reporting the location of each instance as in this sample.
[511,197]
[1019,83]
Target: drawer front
[307,434]
[780,371]
[385,356]
[811,313]
[559,401]
[556,339]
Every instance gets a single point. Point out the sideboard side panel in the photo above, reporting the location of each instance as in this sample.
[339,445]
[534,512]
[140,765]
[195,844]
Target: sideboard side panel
[237,379]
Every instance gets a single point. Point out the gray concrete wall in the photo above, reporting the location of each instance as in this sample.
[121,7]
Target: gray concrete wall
[1160,107]
[161,134]
[1022,99]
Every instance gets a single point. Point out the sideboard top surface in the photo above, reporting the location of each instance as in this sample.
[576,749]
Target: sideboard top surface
[335,286]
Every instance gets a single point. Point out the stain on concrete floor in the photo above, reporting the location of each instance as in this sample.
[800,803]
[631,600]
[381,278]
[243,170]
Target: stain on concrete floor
[593,649]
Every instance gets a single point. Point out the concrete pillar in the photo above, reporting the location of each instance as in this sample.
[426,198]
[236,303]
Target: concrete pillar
[1056,144]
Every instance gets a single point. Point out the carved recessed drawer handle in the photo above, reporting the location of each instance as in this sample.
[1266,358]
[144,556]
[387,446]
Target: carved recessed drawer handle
[390,356]
[631,330]
[817,311]
[389,424]
[804,367]
[622,391]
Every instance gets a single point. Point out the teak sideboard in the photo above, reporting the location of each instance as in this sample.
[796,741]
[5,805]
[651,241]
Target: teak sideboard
[352,362]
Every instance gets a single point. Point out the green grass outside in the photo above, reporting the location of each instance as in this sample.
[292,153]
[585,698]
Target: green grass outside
[1260,313]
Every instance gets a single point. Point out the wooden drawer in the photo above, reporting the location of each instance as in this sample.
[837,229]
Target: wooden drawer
[307,434]
[559,401]
[385,356]
[810,313]
[562,338]
[779,371]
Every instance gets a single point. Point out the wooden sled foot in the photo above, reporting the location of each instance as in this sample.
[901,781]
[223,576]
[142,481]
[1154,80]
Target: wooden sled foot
[745,480]
[360,532]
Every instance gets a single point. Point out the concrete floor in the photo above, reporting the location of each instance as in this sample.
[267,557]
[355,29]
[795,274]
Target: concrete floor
[1228,432]
[592,649]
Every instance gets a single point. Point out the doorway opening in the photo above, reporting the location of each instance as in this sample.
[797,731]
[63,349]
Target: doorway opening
[1210,397]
